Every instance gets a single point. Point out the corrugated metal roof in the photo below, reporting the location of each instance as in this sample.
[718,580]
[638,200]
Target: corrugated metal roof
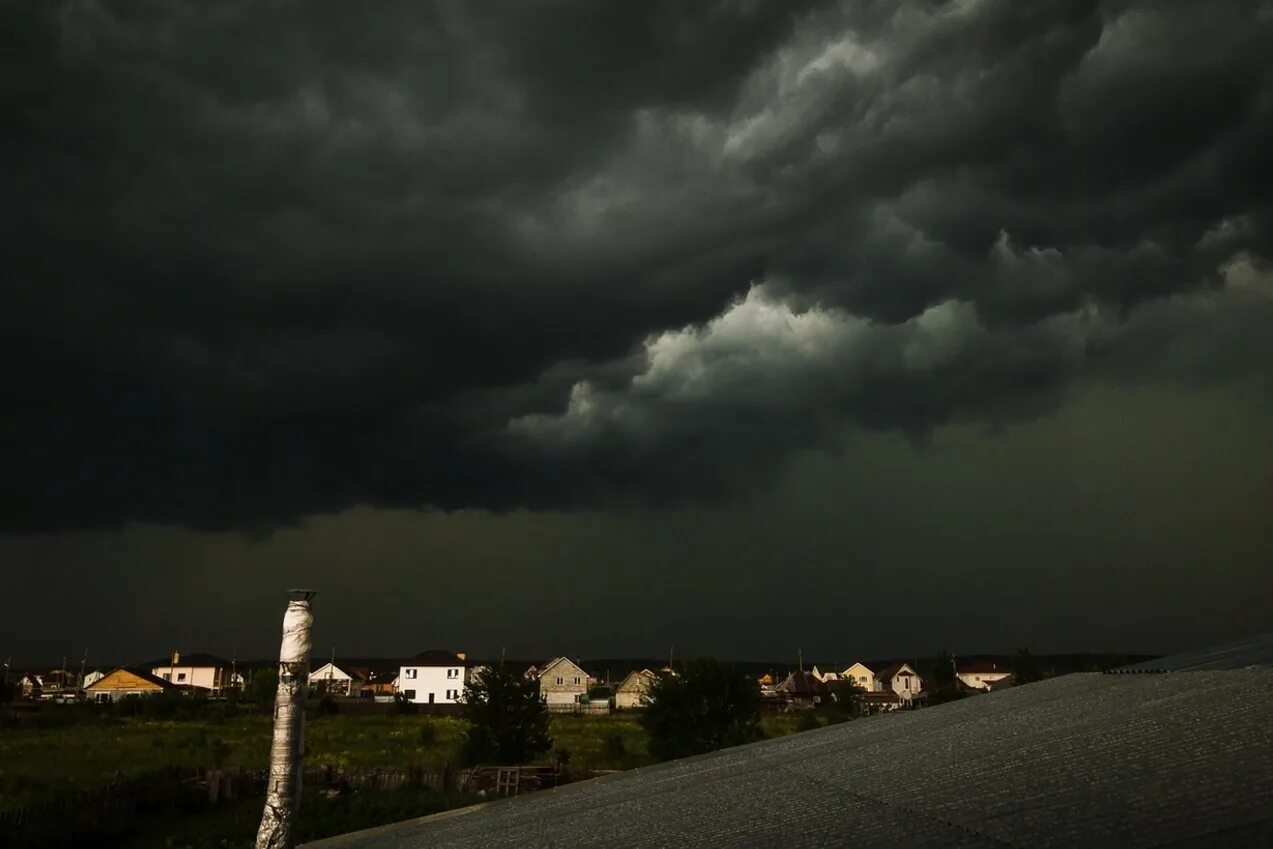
[1083,760]
[1248,653]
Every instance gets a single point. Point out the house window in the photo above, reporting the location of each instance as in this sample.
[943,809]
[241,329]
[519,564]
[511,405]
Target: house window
[411,673]
[576,680]
[167,676]
[453,673]
[181,676]
[560,680]
[409,694]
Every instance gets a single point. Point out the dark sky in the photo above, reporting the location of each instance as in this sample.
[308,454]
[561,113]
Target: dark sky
[868,328]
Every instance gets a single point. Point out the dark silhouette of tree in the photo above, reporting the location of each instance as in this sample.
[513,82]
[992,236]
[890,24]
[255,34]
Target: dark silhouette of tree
[263,686]
[844,703]
[709,705]
[508,721]
[1026,668]
[943,685]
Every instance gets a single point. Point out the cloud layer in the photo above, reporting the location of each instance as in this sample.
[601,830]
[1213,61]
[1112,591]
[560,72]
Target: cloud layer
[265,263]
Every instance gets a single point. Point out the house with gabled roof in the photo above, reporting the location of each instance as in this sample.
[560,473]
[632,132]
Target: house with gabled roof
[124,683]
[803,690]
[826,677]
[981,675]
[902,679]
[562,683]
[433,677]
[860,675]
[198,670]
[634,688]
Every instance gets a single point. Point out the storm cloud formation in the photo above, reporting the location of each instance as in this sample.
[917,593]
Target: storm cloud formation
[270,260]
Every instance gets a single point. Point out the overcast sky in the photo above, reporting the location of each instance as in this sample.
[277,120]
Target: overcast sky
[865,328]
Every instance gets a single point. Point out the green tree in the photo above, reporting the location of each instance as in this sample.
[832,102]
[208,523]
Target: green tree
[263,686]
[1026,668]
[708,706]
[844,703]
[508,722]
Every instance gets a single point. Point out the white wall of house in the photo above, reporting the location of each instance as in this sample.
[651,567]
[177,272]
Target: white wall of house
[207,677]
[982,680]
[439,685]
[331,678]
[905,682]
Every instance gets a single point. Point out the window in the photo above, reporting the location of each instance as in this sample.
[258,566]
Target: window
[167,676]
[453,673]
[576,679]
[181,676]
[412,673]
[560,680]
[409,695]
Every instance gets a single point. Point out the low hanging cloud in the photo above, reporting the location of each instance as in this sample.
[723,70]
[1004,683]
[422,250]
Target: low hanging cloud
[489,256]
[710,408]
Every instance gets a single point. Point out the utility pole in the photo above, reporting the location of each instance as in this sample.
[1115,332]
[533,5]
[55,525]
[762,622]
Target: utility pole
[282,794]
[800,660]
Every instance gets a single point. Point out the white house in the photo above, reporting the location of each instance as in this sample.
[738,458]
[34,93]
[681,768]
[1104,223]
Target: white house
[433,677]
[826,677]
[562,683]
[902,679]
[333,680]
[203,671]
[981,676]
[92,678]
[860,675]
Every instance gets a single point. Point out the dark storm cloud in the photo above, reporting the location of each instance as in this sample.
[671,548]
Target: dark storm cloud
[266,260]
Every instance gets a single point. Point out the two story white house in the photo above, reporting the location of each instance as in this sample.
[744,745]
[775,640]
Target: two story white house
[201,671]
[433,678]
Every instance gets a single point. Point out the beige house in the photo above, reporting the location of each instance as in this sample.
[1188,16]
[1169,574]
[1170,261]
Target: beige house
[562,683]
[124,683]
[632,691]
[860,675]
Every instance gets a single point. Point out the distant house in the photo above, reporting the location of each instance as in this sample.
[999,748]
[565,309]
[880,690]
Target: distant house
[802,690]
[981,676]
[92,677]
[562,683]
[123,683]
[826,677]
[633,689]
[334,679]
[30,686]
[861,676]
[200,671]
[903,680]
[433,677]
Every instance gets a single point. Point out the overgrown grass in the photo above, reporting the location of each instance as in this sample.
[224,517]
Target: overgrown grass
[44,762]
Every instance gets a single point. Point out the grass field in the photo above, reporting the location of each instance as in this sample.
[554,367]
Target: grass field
[38,764]
[68,752]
